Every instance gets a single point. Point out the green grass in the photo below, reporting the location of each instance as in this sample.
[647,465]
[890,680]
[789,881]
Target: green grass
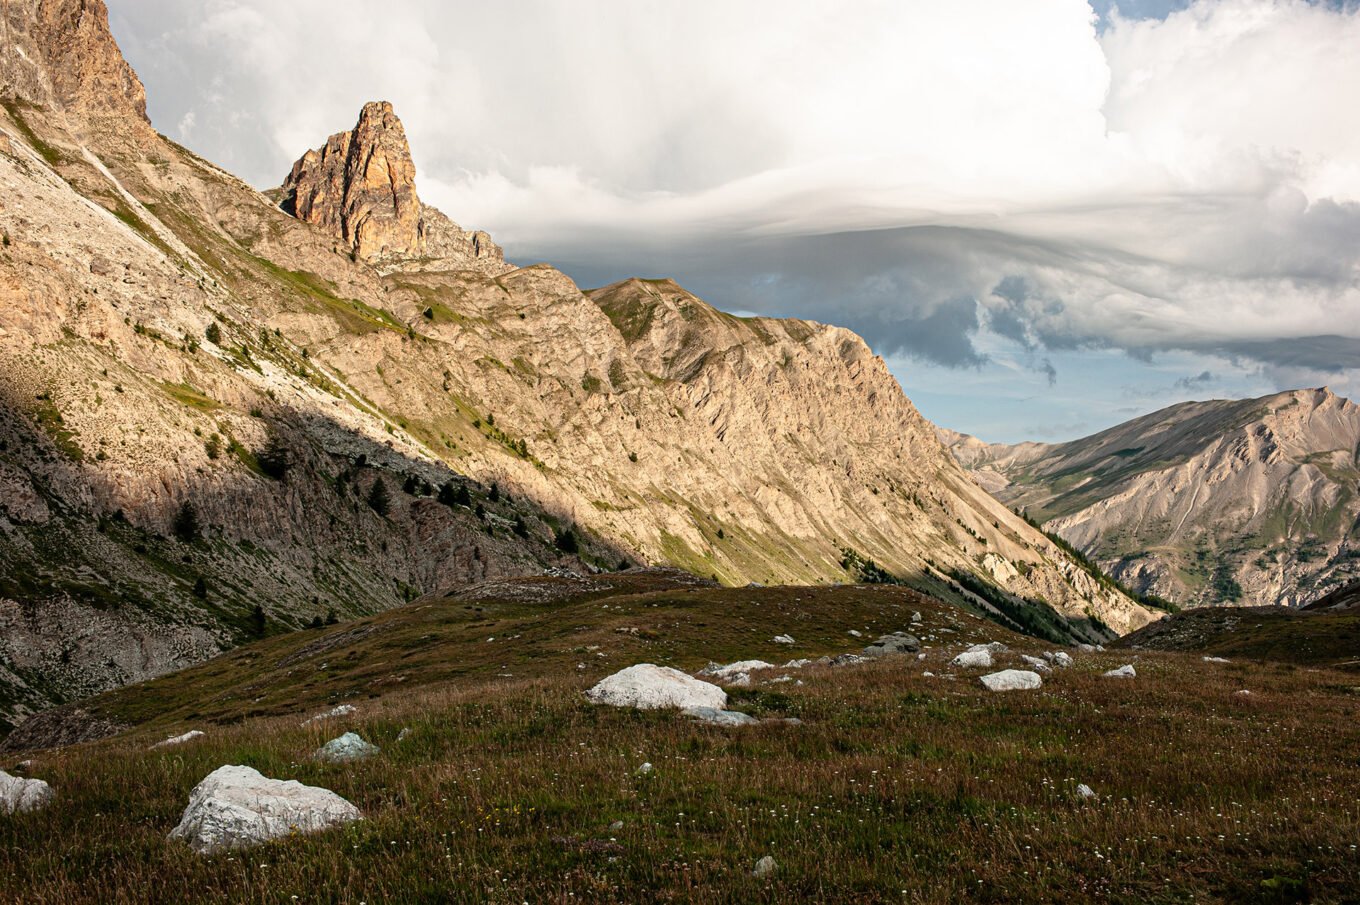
[895,787]
[354,315]
[187,395]
[50,421]
[47,152]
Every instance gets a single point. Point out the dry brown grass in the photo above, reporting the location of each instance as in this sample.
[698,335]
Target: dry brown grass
[896,787]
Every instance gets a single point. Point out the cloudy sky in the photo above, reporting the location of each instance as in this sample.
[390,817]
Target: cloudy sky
[1047,215]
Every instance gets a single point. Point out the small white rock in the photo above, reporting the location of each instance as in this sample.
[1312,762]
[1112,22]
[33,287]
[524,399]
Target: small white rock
[1062,659]
[973,658]
[764,867]
[1124,672]
[645,768]
[337,711]
[784,639]
[1085,792]
[854,634]
[1038,664]
[1215,660]
[179,739]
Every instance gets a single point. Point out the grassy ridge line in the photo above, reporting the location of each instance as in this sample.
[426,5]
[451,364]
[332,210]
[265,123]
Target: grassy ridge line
[897,787]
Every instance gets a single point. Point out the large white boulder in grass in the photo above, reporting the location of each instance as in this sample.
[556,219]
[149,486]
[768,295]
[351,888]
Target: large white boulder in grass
[18,794]
[1012,680]
[1124,672]
[649,687]
[237,807]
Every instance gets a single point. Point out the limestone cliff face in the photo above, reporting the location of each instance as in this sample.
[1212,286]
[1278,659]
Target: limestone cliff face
[361,186]
[171,340]
[61,53]
[1249,501]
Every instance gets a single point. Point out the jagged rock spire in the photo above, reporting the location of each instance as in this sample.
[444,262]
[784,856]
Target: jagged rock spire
[361,187]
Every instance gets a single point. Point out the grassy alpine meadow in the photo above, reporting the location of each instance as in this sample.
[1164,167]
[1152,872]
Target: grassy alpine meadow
[897,786]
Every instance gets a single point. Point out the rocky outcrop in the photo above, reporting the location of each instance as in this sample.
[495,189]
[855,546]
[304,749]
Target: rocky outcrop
[60,53]
[360,186]
[236,807]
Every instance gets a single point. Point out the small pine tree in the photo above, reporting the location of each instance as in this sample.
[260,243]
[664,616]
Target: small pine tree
[213,446]
[186,526]
[521,528]
[462,496]
[315,623]
[214,334]
[201,588]
[275,459]
[331,617]
[567,542]
[481,511]
[410,486]
[495,494]
[378,499]
[258,622]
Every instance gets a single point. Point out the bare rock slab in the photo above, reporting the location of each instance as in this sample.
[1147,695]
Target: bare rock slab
[1012,680]
[18,795]
[650,687]
[896,643]
[237,807]
[1124,672]
[720,717]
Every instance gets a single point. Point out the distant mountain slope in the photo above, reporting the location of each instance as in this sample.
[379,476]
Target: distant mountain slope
[1251,501]
[220,420]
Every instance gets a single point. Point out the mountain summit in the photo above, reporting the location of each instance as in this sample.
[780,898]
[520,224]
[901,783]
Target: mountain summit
[361,187]
[225,415]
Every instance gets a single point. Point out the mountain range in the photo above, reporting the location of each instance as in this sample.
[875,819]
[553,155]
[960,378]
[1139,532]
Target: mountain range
[226,413]
[1248,502]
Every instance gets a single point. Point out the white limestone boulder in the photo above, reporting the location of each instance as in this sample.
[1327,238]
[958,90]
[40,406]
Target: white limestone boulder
[346,748]
[720,672]
[1012,680]
[647,686]
[237,807]
[18,795]
[1124,672]
[718,717]
[979,657]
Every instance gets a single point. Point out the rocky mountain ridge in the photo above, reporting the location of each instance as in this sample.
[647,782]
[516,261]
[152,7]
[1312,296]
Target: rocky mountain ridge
[1252,502]
[361,186]
[220,420]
